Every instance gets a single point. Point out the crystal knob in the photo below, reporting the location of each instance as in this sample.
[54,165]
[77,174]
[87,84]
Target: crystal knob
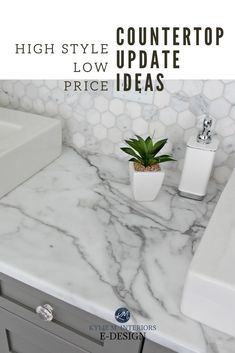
[45,312]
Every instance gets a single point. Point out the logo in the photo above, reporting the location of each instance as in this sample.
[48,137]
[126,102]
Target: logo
[122,315]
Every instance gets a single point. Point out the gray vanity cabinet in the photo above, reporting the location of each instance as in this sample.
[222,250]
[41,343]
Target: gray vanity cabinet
[72,330]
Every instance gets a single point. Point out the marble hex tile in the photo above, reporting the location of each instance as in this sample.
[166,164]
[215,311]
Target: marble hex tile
[99,122]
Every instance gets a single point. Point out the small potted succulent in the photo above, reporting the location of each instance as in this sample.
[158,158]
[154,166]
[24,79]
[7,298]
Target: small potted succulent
[145,172]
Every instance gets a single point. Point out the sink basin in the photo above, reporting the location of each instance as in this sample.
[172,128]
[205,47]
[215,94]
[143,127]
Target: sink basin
[28,142]
[209,292]
[7,129]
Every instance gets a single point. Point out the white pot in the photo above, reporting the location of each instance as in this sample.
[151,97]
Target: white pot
[145,185]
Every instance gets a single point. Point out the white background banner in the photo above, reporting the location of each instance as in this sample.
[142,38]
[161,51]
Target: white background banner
[73,27]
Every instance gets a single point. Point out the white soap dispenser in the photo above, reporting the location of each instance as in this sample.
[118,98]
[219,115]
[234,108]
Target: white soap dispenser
[199,158]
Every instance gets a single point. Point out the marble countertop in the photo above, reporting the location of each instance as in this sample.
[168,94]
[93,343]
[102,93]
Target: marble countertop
[74,231]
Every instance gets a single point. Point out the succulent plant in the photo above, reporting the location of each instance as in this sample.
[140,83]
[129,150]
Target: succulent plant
[145,151]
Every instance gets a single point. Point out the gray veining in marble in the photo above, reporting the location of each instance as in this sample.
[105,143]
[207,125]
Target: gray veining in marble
[74,231]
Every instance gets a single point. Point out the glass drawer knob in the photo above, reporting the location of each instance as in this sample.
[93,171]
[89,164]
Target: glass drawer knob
[45,312]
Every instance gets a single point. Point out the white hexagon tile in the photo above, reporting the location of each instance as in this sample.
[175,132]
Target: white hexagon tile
[99,122]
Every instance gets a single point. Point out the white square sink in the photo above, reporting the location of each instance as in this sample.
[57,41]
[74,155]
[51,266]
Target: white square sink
[28,142]
[209,292]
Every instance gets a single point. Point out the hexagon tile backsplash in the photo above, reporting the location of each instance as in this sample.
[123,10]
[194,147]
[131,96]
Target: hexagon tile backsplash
[100,122]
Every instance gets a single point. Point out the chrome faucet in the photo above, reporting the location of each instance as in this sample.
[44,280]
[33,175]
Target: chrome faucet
[204,136]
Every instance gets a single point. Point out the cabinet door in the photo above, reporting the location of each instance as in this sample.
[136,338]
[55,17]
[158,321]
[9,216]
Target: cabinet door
[152,347]
[19,336]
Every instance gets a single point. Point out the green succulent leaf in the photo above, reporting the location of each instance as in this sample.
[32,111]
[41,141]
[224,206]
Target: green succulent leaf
[134,160]
[139,138]
[149,143]
[165,158]
[152,161]
[159,145]
[139,147]
[134,144]
[130,151]
[145,151]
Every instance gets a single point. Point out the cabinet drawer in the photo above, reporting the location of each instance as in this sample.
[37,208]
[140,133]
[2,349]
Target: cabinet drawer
[19,336]
[70,323]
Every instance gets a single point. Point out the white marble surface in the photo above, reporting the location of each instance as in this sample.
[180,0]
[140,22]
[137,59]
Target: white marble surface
[74,231]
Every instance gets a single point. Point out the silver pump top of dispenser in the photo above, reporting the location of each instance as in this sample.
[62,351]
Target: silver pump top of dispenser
[204,135]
